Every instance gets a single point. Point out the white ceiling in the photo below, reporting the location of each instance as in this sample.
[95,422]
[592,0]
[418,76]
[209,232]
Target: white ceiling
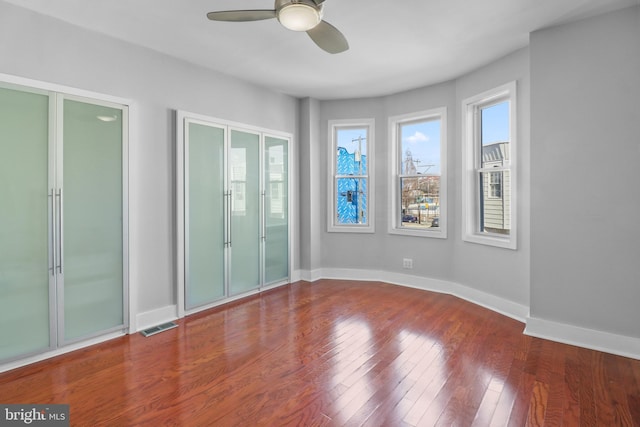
[395,45]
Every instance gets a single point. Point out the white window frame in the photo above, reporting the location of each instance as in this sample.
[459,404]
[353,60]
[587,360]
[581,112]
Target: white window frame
[332,225]
[395,212]
[495,183]
[471,167]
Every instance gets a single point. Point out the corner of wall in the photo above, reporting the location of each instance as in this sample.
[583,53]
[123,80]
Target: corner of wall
[155,317]
[588,338]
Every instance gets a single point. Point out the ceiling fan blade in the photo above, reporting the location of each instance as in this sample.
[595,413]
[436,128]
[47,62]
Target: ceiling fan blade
[318,2]
[328,38]
[241,15]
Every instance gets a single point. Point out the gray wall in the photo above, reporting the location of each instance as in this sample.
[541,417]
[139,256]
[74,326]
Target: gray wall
[500,272]
[578,178]
[585,166]
[37,47]
[309,184]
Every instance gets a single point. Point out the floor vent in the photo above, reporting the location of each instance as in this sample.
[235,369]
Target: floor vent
[159,328]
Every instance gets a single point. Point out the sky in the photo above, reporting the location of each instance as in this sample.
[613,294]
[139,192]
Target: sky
[423,138]
[347,138]
[495,123]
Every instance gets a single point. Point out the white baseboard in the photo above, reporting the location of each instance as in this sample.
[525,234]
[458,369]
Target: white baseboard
[582,337]
[156,317]
[310,275]
[296,276]
[568,334]
[59,351]
[492,302]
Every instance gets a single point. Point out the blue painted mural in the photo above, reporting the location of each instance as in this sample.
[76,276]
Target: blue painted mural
[352,191]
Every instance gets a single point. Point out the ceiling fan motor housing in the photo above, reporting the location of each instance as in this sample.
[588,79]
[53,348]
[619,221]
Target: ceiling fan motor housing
[298,15]
[282,3]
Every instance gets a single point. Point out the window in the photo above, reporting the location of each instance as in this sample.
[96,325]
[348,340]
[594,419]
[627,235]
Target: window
[489,155]
[351,172]
[495,185]
[418,178]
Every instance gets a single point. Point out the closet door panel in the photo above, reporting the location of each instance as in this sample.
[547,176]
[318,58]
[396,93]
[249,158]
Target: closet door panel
[276,209]
[92,212]
[25,220]
[205,216]
[244,185]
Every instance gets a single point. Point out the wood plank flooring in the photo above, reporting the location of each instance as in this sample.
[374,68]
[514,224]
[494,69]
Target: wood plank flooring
[337,353]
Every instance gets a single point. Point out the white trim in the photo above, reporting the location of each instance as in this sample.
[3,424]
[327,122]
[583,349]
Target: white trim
[232,298]
[179,212]
[218,122]
[492,302]
[470,131]
[133,263]
[155,317]
[296,276]
[60,351]
[369,227]
[57,93]
[607,342]
[394,211]
[290,212]
[621,345]
[227,126]
[66,90]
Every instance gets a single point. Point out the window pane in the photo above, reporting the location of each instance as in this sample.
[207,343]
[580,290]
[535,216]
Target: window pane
[420,201]
[92,219]
[24,219]
[495,135]
[205,213]
[244,164]
[495,186]
[351,201]
[420,145]
[351,151]
[495,202]
[276,209]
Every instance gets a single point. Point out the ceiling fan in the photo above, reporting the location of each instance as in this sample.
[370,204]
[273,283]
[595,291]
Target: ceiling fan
[296,15]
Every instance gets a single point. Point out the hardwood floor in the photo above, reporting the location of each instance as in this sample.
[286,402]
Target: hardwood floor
[337,353]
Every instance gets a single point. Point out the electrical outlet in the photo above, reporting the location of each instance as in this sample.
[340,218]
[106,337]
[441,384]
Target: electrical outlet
[407,263]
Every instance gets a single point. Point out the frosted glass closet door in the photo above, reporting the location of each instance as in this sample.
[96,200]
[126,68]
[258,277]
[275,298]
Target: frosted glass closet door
[244,174]
[25,217]
[92,219]
[205,216]
[276,209]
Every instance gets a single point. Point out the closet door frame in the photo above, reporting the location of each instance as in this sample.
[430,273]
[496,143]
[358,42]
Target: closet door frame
[230,191]
[59,185]
[278,282]
[184,202]
[182,117]
[55,91]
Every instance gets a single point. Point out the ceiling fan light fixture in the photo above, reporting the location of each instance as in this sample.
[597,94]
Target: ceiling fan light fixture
[299,17]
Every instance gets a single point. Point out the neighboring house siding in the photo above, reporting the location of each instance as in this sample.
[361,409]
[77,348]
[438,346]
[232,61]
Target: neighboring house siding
[496,209]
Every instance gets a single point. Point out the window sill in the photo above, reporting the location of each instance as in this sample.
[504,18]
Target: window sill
[492,240]
[432,233]
[351,229]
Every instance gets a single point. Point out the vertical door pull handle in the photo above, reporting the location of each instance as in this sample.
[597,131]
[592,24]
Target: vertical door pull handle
[225,208]
[52,232]
[229,217]
[264,215]
[59,252]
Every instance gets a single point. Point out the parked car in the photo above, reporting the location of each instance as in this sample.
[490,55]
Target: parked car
[409,218]
[435,222]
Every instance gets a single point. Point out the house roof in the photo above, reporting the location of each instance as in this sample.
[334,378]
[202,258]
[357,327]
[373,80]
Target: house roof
[496,152]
